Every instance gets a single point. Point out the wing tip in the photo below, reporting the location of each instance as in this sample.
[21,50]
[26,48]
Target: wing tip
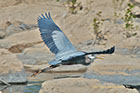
[111,50]
[48,16]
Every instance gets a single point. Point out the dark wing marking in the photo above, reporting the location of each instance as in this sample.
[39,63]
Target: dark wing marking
[108,51]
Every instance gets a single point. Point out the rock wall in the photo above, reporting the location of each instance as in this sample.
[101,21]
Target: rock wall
[82,85]
[11,69]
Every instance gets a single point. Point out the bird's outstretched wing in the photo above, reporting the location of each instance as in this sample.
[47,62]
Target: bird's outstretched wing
[53,36]
[108,51]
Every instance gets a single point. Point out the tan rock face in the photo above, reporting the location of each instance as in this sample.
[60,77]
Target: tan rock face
[114,65]
[27,37]
[9,62]
[2,34]
[77,27]
[82,85]
[41,47]
[6,3]
[10,67]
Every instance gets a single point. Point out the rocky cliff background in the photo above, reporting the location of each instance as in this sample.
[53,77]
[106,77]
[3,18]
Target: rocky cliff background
[91,25]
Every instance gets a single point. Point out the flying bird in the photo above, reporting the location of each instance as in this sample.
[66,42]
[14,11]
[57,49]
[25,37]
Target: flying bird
[59,44]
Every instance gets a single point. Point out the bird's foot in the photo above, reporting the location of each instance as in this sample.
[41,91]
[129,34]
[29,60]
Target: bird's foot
[36,73]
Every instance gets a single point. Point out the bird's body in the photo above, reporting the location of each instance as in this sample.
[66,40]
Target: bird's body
[67,56]
[58,43]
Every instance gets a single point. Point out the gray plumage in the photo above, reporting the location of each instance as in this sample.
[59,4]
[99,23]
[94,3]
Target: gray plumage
[58,43]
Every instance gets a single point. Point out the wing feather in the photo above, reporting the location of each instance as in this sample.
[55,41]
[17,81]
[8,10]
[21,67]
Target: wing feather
[53,36]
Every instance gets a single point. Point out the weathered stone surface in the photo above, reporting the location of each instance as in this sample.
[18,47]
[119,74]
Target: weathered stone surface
[12,89]
[2,34]
[119,69]
[82,85]
[35,58]
[41,47]
[21,25]
[36,54]
[11,69]
[12,30]
[27,37]
[33,26]
[19,48]
[15,27]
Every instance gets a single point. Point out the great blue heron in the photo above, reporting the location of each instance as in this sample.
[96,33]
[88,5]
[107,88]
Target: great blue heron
[58,43]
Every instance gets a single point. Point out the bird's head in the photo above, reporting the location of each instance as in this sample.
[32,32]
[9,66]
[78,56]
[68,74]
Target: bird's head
[91,58]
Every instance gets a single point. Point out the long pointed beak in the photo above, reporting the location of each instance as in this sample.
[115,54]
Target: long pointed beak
[99,57]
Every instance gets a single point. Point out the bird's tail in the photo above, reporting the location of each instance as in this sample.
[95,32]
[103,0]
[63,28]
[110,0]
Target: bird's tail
[108,51]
